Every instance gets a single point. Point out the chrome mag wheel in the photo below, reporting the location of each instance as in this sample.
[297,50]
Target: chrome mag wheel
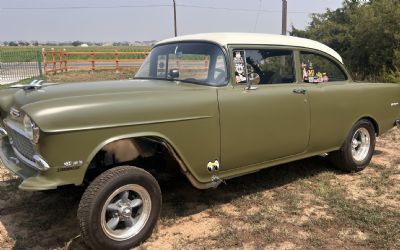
[360,144]
[126,212]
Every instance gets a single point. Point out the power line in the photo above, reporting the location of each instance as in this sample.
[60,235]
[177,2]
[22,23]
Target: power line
[87,7]
[152,5]
[243,10]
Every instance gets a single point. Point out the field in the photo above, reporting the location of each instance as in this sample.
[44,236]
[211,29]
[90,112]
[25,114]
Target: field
[28,54]
[303,205]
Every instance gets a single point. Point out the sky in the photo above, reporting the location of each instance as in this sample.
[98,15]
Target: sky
[140,20]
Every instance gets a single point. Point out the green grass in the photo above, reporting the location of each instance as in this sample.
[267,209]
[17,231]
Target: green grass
[29,54]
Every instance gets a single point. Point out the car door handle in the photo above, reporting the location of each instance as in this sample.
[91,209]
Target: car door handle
[299,91]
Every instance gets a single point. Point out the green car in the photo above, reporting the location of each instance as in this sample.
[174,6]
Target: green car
[212,106]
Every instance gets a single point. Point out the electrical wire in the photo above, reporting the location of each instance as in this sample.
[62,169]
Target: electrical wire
[151,6]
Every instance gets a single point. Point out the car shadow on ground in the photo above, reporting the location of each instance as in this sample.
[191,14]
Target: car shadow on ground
[185,201]
[48,219]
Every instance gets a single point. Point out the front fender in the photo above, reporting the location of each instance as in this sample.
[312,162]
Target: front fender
[196,141]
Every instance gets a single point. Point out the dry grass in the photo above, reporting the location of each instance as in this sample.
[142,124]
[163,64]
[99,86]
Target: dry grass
[85,76]
[302,205]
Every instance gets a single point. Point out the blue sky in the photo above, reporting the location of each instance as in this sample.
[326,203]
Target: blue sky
[131,20]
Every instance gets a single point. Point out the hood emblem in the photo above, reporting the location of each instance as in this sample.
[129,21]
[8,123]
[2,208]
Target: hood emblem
[15,113]
[35,84]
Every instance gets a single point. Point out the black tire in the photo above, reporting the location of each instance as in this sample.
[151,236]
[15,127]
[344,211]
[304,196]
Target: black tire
[93,202]
[344,158]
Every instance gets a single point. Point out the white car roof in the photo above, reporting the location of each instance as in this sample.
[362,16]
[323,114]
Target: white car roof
[225,39]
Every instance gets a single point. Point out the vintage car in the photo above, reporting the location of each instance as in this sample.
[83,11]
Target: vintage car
[214,106]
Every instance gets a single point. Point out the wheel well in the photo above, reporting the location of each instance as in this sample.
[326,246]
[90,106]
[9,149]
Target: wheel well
[150,153]
[373,122]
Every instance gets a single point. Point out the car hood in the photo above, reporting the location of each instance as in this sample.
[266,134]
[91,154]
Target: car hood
[77,106]
[90,89]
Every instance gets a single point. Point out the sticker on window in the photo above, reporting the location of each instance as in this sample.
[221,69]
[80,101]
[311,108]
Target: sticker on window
[311,74]
[240,71]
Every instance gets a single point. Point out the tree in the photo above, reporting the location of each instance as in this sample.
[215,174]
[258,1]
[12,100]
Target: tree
[365,33]
[76,43]
[12,43]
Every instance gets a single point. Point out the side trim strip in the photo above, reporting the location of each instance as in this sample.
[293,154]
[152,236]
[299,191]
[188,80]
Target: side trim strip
[124,124]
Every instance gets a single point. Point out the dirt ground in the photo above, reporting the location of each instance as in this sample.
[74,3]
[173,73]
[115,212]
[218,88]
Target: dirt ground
[303,205]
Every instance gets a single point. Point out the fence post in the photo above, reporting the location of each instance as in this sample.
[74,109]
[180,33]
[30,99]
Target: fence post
[65,60]
[93,60]
[44,60]
[60,61]
[53,60]
[39,61]
[116,62]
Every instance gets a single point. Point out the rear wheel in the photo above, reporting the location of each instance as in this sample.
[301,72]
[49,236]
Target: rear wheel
[120,208]
[358,148]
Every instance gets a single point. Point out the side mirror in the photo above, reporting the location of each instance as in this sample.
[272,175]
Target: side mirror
[173,73]
[254,78]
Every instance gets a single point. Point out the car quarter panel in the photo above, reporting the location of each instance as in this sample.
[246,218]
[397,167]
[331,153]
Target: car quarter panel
[337,106]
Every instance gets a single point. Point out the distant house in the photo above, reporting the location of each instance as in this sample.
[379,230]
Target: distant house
[84,45]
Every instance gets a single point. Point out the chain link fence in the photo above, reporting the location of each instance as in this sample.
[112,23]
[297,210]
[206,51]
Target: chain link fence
[20,64]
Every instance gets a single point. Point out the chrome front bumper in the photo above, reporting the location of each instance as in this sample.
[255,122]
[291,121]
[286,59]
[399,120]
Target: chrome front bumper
[11,161]
[38,176]
[38,162]
[33,179]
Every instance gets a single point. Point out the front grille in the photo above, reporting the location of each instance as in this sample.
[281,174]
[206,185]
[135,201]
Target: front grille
[21,143]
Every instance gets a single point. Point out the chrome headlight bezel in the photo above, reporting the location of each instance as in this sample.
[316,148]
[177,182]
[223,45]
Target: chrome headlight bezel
[31,129]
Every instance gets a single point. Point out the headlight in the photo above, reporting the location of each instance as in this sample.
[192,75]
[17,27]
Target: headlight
[31,130]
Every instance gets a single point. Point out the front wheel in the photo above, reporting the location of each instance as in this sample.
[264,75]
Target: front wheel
[358,148]
[119,209]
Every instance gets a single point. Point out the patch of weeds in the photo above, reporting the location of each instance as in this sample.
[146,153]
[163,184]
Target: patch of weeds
[255,218]
[396,161]
[382,182]
[328,191]
[316,241]
[97,75]
[321,223]
[168,221]
[381,224]
[377,166]
[240,202]
[227,237]
[291,200]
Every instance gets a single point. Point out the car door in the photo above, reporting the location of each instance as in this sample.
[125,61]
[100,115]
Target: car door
[333,100]
[268,121]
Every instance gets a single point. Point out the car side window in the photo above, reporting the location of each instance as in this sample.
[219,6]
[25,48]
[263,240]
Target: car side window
[271,66]
[317,68]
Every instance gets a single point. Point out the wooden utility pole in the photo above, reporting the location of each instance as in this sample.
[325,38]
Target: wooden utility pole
[284,17]
[176,33]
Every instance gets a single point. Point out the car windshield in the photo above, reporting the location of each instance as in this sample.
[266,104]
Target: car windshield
[195,62]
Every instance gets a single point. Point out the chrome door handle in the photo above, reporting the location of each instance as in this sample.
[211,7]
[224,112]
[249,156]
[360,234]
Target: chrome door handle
[299,91]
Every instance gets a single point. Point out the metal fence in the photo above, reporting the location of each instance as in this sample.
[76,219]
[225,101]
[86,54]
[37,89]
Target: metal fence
[16,65]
